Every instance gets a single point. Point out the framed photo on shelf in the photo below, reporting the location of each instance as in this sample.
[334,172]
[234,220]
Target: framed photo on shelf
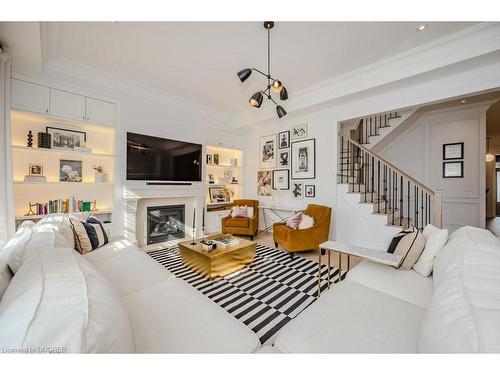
[310,191]
[36,169]
[453,169]
[217,194]
[284,158]
[284,139]
[70,171]
[209,159]
[268,151]
[66,138]
[297,190]
[281,179]
[303,159]
[264,183]
[299,131]
[453,151]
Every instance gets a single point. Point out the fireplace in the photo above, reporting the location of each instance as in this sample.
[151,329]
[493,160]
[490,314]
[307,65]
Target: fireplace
[165,223]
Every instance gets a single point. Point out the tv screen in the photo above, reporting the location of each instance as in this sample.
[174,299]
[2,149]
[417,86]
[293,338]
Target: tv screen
[160,159]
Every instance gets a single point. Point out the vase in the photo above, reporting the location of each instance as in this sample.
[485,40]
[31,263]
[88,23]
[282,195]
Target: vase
[101,177]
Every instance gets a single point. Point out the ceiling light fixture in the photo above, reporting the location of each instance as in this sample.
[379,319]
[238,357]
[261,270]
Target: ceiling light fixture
[272,83]
[463,101]
[421,27]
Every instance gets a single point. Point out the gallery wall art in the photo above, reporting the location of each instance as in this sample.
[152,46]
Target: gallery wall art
[264,183]
[303,159]
[268,151]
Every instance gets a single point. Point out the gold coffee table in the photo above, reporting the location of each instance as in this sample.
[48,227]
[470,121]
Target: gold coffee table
[218,262]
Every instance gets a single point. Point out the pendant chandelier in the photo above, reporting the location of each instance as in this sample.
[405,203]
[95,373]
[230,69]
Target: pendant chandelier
[272,83]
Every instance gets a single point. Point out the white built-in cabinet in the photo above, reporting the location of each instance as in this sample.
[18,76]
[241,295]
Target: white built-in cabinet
[214,221]
[67,105]
[32,97]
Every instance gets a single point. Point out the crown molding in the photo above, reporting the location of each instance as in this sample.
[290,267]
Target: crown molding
[466,44]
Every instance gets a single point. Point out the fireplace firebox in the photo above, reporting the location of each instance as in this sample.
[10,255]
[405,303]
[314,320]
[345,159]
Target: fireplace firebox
[165,223]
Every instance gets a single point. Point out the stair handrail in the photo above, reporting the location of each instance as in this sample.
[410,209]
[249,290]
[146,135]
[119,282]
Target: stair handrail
[436,194]
[392,166]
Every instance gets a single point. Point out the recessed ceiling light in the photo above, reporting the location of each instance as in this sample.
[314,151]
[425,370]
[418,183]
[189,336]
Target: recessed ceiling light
[421,27]
[463,101]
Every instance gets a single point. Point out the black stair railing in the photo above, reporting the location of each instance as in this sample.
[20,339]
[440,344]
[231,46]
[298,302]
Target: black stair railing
[371,125]
[394,193]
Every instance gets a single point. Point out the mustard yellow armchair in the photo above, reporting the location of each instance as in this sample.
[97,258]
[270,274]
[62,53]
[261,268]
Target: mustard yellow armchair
[294,240]
[243,225]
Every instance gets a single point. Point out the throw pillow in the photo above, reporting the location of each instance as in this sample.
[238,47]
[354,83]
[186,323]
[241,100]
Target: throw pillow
[306,222]
[435,239]
[294,220]
[89,235]
[239,211]
[409,244]
[249,211]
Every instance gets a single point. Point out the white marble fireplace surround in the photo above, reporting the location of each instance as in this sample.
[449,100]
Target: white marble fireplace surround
[138,197]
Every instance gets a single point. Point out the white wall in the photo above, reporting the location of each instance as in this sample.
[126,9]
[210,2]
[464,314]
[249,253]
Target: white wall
[418,151]
[323,124]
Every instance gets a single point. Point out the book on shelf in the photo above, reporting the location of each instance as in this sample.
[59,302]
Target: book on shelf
[68,205]
[35,178]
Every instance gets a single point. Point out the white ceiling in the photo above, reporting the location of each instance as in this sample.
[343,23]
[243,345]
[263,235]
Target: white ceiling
[198,61]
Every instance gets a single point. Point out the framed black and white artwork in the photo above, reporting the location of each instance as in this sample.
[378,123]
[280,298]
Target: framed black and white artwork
[284,139]
[281,179]
[268,152]
[299,131]
[66,138]
[35,169]
[284,159]
[310,191]
[453,169]
[303,159]
[453,151]
[297,190]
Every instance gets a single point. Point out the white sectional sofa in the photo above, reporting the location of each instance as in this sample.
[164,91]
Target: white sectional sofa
[378,309]
[113,299]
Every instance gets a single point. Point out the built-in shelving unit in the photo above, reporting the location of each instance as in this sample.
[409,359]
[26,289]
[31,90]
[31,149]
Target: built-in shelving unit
[230,162]
[34,107]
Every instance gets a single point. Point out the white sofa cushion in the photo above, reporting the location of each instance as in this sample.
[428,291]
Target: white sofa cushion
[173,317]
[57,298]
[435,239]
[351,318]
[407,286]
[464,313]
[127,267]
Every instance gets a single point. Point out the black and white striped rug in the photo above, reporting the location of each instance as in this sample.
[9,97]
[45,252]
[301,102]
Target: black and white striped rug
[265,296]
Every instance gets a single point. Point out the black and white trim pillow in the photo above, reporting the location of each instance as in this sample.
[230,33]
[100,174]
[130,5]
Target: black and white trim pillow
[409,244]
[89,234]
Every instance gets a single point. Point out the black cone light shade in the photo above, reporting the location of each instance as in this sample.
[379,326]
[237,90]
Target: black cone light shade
[281,111]
[283,93]
[244,74]
[256,100]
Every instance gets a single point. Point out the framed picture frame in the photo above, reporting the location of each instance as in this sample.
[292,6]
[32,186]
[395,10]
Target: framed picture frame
[299,131]
[215,159]
[217,194]
[310,191]
[209,159]
[268,151]
[281,179]
[453,169]
[70,171]
[284,159]
[35,169]
[284,140]
[303,159]
[297,190]
[264,187]
[453,151]
[66,138]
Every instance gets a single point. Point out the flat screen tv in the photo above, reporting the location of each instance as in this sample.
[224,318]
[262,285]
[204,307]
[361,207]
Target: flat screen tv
[159,159]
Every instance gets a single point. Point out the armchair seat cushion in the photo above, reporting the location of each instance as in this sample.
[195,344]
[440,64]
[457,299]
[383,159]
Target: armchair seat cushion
[240,222]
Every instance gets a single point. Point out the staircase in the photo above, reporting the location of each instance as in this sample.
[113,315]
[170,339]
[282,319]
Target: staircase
[386,189]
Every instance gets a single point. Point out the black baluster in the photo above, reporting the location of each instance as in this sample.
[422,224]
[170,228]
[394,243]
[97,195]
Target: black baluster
[422,216]
[378,186]
[416,206]
[372,176]
[385,189]
[401,202]
[408,209]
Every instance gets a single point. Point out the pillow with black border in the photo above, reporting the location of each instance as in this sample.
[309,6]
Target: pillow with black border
[89,235]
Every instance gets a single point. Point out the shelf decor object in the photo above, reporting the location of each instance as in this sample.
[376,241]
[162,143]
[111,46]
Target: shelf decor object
[272,83]
[29,141]
[66,138]
[43,140]
[70,171]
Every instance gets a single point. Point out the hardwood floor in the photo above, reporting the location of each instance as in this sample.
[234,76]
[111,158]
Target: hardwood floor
[266,238]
